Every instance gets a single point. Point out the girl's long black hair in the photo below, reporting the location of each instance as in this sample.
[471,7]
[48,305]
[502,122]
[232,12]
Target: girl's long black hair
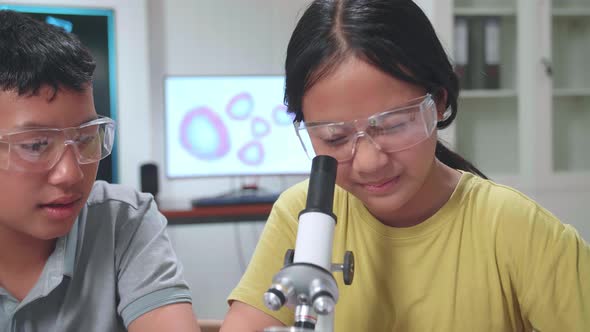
[392,35]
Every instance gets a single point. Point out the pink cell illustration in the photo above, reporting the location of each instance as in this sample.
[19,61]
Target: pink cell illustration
[260,127]
[252,153]
[204,135]
[240,106]
[281,117]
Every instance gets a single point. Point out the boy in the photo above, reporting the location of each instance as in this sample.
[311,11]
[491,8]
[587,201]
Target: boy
[75,254]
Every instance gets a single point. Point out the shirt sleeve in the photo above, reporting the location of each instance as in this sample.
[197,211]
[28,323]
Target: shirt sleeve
[278,236]
[550,272]
[149,274]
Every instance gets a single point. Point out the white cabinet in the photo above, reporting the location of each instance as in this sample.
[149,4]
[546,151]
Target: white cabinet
[524,108]
[570,36]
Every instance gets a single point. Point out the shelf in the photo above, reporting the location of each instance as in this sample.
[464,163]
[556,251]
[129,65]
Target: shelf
[470,11]
[582,92]
[570,53]
[485,71]
[567,181]
[487,129]
[570,8]
[570,12]
[571,120]
[502,93]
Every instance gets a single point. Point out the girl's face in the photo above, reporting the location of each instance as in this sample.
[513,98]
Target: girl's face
[384,182]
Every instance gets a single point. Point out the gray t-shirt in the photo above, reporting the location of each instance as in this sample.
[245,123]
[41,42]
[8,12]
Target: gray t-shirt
[115,264]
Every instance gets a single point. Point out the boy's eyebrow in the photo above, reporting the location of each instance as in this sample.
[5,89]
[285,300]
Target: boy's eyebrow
[34,124]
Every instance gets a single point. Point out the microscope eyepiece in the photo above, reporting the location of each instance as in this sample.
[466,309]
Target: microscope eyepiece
[322,179]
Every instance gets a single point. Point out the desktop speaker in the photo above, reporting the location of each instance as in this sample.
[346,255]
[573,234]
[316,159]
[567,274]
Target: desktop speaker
[149,178]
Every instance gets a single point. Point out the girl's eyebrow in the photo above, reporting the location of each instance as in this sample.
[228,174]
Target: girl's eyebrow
[407,103]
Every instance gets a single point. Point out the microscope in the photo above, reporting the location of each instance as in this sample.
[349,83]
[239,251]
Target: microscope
[305,283]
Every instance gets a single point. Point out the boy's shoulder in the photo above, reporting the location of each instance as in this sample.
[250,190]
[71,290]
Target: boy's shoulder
[104,193]
[120,205]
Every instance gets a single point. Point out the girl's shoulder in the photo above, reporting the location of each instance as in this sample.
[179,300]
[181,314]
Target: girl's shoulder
[504,208]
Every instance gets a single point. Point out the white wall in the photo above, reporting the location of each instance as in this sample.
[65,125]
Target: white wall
[189,37]
[198,37]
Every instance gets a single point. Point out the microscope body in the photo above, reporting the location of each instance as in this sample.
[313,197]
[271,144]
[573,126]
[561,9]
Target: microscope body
[306,283]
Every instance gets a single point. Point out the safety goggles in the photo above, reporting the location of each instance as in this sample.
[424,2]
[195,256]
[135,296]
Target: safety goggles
[39,149]
[390,131]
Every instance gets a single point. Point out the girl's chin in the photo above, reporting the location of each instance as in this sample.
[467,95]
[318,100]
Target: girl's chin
[384,204]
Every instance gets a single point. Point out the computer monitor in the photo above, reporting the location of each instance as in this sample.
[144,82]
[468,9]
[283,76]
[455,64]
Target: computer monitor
[229,126]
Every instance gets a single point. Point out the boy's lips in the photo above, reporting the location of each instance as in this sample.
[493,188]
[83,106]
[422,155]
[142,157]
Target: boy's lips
[63,207]
[61,211]
[63,200]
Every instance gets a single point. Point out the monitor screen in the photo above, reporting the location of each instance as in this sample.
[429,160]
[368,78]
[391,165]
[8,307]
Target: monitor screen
[230,126]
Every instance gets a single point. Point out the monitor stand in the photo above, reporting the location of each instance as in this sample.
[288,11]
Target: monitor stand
[246,195]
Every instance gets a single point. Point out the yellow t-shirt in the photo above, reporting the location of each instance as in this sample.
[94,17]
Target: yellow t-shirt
[490,259]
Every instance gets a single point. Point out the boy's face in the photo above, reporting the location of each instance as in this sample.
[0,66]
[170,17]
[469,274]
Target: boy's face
[44,205]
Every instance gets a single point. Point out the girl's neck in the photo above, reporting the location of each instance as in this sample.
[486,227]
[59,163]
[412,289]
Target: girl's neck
[431,197]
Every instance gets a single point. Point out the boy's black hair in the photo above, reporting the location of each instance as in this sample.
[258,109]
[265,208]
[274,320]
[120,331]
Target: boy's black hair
[35,54]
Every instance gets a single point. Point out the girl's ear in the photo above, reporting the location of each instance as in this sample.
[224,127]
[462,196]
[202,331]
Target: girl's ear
[441,104]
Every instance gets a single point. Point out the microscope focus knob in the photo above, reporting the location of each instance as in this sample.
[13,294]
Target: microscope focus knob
[323,303]
[348,268]
[274,299]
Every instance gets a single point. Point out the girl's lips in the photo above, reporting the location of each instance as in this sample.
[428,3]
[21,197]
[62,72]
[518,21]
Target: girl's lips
[383,186]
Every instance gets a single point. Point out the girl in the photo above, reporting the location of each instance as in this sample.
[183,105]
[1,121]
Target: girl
[437,245]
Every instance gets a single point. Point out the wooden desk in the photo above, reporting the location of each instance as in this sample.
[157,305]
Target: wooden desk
[217,214]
